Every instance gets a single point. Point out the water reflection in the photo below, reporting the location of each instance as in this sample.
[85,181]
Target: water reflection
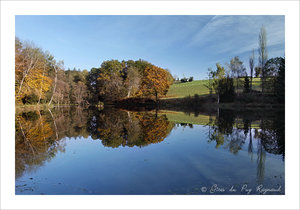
[124,128]
[231,129]
[41,135]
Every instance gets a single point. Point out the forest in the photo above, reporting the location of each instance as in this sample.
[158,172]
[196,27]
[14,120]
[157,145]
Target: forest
[41,79]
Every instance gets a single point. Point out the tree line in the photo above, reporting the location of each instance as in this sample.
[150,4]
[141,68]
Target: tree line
[40,78]
[232,79]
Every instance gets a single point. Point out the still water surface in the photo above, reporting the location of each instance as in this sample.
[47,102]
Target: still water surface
[89,151]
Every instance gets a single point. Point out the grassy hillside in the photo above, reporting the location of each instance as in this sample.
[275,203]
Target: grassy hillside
[180,90]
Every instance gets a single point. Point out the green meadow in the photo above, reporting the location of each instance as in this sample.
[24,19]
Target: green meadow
[180,90]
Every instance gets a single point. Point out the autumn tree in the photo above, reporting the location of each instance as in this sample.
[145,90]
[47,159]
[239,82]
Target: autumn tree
[132,80]
[27,58]
[45,82]
[154,82]
[63,89]
[142,65]
[171,79]
[30,72]
[111,79]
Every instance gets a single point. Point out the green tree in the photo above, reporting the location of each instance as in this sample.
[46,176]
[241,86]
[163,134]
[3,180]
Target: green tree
[237,69]
[210,74]
[111,79]
[217,77]
[93,85]
[226,90]
[257,72]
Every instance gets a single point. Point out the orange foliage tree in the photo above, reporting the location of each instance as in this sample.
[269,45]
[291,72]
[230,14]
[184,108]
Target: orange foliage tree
[155,82]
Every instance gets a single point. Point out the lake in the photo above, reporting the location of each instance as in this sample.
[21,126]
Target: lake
[75,151]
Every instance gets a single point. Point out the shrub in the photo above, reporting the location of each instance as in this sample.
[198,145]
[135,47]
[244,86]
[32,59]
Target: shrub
[226,90]
[183,80]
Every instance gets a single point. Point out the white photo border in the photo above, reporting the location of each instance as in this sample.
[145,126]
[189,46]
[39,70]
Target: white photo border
[11,8]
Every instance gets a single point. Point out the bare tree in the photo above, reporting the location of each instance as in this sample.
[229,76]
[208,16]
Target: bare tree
[80,93]
[251,64]
[133,80]
[56,67]
[263,55]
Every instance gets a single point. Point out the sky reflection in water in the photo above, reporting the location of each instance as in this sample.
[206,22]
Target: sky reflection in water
[76,151]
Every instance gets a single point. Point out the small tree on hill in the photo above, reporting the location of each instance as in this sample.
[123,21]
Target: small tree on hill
[237,69]
[217,77]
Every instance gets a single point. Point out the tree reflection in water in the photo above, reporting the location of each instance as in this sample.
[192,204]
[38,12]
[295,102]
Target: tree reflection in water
[124,128]
[230,130]
[40,135]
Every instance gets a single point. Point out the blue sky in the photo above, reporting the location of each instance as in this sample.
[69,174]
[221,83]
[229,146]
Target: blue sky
[186,45]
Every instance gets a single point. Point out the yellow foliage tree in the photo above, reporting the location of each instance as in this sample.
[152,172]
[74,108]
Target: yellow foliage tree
[30,69]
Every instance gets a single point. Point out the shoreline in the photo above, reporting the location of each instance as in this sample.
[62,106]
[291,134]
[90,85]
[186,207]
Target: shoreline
[177,105]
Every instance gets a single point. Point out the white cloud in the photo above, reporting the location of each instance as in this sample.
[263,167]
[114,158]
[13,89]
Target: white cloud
[238,34]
